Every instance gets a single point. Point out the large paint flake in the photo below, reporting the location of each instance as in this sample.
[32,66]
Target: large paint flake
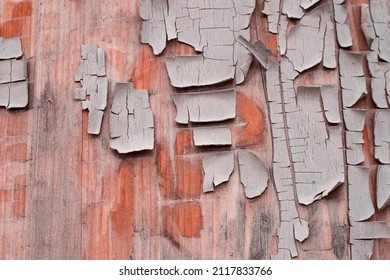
[211,27]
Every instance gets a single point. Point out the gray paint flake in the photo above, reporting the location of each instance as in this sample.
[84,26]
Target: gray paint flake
[293,9]
[317,152]
[306,4]
[210,27]
[375,22]
[366,24]
[14,95]
[382,136]
[272,9]
[5,71]
[205,107]
[383,187]
[344,37]
[253,174]
[380,12]
[330,101]
[258,49]
[18,95]
[370,230]
[131,120]
[212,136]
[10,48]
[282,36]
[187,71]
[94,91]
[318,26]
[361,249]
[360,205]
[353,82]
[354,120]
[291,227]
[13,74]
[217,169]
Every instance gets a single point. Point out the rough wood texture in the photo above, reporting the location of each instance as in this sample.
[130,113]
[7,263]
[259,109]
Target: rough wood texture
[65,194]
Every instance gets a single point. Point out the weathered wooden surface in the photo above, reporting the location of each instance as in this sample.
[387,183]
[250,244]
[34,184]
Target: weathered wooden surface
[65,194]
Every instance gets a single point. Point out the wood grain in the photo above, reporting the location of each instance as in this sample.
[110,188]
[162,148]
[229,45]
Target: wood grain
[65,194]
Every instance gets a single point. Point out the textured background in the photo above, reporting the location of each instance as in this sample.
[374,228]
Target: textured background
[66,195]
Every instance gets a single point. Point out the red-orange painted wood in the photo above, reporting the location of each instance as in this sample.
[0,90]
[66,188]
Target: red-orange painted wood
[66,195]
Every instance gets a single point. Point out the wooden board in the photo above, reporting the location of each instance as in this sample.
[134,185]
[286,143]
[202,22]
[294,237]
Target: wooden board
[64,194]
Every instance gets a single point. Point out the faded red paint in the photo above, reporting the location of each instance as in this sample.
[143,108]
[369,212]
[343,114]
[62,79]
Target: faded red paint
[12,28]
[185,220]
[165,172]
[21,9]
[18,152]
[251,114]
[17,123]
[183,142]
[189,176]
[121,215]
[20,181]
[144,69]
[19,203]
[366,146]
